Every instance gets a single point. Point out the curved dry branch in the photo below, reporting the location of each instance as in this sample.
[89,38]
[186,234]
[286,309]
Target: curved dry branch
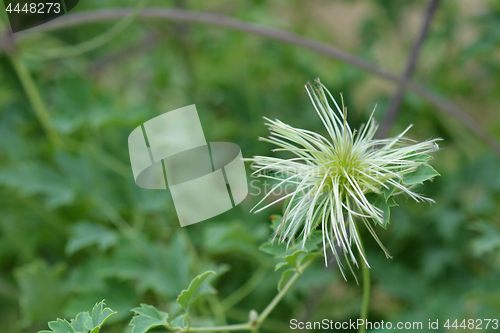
[75,19]
[397,97]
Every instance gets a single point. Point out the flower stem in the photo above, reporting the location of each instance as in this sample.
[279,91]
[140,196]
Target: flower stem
[35,98]
[365,305]
[282,293]
[239,327]
[253,326]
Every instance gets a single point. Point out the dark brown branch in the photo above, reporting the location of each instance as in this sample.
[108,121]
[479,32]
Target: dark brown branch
[397,97]
[79,18]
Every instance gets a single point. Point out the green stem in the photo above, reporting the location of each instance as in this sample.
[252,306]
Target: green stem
[217,309]
[254,326]
[35,98]
[270,324]
[365,305]
[239,327]
[282,293]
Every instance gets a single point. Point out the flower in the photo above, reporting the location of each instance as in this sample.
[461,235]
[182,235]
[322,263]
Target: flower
[342,178]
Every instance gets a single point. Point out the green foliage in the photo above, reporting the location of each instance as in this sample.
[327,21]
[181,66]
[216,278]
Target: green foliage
[38,178]
[38,281]
[488,240]
[296,260]
[281,250]
[423,173]
[384,203]
[284,277]
[84,234]
[84,322]
[385,200]
[75,229]
[186,296]
[148,317]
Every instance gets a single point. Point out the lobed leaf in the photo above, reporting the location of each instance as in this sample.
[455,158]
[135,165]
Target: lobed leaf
[384,204]
[184,299]
[284,277]
[424,172]
[293,259]
[388,192]
[488,240]
[34,178]
[99,316]
[147,317]
[83,322]
[419,158]
[61,326]
[42,290]
[281,250]
[297,259]
[85,234]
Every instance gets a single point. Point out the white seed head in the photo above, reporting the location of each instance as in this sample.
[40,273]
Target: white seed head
[332,176]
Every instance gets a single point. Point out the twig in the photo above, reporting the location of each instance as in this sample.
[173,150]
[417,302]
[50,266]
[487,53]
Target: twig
[35,98]
[397,97]
[76,19]
[102,39]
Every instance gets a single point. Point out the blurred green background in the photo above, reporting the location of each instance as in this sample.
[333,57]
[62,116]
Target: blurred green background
[75,229]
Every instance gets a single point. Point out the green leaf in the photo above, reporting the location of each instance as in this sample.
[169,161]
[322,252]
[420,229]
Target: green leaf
[184,299]
[275,249]
[379,201]
[488,241]
[419,158]
[147,317]
[293,259]
[290,260]
[178,323]
[280,264]
[42,290]
[280,250]
[297,259]
[32,178]
[285,276]
[423,173]
[309,256]
[234,237]
[61,326]
[83,322]
[99,316]
[127,262]
[388,192]
[85,234]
